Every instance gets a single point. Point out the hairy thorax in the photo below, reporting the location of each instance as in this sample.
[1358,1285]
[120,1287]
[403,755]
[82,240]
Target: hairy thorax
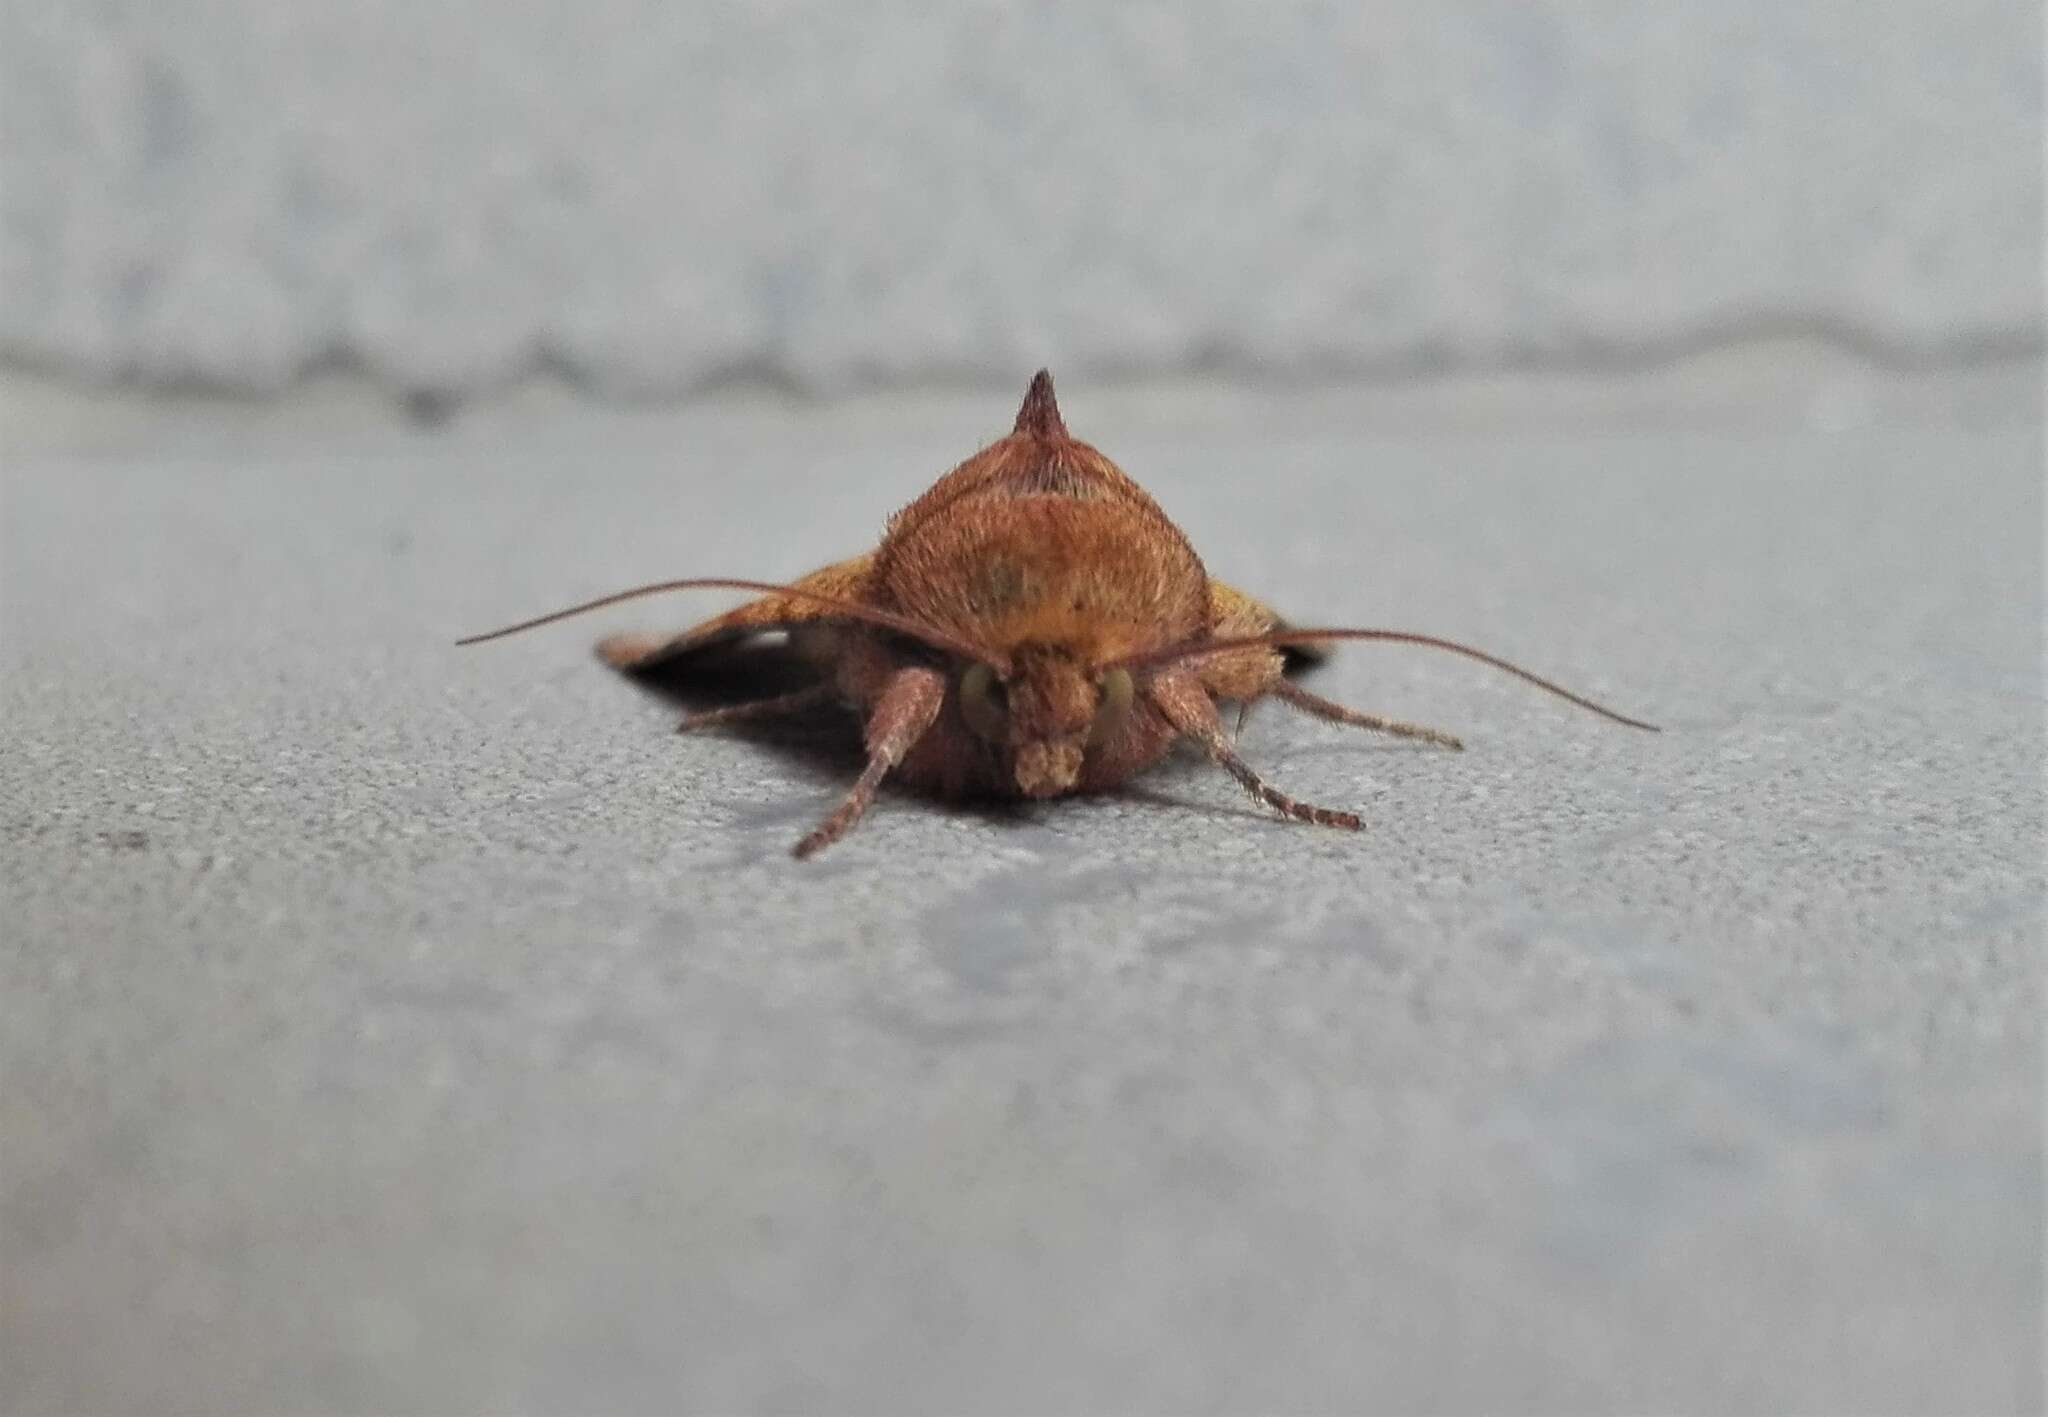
[1058,584]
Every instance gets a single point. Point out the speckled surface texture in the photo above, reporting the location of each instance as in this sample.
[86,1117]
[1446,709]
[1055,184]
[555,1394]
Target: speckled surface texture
[652,195]
[386,1027]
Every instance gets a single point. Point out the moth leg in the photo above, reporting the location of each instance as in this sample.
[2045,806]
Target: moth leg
[1290,692]
[794,702]
[910,701]
[1188,707]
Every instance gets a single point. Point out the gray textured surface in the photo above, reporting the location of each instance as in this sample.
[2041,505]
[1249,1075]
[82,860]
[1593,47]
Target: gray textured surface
[386,1027]
[652,194]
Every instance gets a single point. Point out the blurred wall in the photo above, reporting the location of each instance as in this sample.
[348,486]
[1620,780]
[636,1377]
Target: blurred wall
[650,193]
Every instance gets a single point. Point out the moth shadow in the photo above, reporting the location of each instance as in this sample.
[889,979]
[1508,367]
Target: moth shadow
[825,738]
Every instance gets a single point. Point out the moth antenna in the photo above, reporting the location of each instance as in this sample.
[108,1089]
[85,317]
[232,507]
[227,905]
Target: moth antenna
[1040,415]
[1280,639]
[853,610]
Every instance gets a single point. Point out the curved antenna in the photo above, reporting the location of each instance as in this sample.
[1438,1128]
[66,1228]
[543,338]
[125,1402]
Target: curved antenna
[1280,639]
[852,610]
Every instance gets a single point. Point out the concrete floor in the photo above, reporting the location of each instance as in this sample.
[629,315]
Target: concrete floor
[387,1027]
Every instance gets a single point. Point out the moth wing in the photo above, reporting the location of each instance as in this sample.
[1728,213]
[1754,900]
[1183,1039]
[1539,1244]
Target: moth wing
[1241,614]
[843,580]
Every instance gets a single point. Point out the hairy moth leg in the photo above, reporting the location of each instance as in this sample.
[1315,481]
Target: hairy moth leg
[793,702]
[1287,691]
[1189,708]
[909,702]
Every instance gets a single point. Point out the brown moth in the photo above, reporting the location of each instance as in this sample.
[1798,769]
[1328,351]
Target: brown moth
[1032,625]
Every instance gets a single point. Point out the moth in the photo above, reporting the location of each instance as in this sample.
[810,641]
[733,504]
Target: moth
[1033,625]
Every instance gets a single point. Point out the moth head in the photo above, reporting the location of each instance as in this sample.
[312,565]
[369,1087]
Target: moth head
[1046,715]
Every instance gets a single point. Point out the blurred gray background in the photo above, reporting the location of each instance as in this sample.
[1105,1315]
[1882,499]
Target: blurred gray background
[391,1028]
[648,196]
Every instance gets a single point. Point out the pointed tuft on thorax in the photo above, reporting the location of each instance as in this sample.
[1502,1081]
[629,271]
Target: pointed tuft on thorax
[1040,415]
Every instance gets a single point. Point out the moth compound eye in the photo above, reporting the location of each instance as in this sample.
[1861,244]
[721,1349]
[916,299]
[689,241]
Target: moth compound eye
[1115,705]
[984,703]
